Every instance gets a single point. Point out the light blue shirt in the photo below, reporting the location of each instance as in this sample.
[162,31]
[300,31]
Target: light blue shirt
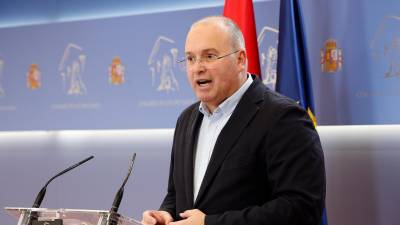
[210,129]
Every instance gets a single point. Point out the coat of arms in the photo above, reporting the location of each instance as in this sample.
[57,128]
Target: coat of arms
[116,72]
[33,77]
[331,57]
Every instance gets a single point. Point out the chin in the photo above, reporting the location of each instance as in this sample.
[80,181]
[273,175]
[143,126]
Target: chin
[202,99]
[201,96]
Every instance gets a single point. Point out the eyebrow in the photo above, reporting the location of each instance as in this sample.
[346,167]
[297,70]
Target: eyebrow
[204,50]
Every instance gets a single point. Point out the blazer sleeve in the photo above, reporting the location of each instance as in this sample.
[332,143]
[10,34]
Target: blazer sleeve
[295,172]
[169,202]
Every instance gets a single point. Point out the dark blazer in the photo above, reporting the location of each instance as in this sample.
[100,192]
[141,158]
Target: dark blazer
[267,166]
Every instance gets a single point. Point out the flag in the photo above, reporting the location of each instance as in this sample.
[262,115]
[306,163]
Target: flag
[293,73]
[241,11]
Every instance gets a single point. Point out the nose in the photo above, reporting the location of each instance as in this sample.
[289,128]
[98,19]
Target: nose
[197,67]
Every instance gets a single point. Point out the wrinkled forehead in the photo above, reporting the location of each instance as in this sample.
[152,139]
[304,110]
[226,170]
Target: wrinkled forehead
[207,36]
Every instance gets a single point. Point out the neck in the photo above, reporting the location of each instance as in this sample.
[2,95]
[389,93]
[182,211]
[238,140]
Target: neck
[212,106]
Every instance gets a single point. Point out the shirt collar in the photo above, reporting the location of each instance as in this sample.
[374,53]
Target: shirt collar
[227,106]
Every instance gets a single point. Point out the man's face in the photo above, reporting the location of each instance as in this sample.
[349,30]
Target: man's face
[213,82]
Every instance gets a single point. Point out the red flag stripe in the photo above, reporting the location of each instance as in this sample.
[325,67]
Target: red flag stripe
[242,12]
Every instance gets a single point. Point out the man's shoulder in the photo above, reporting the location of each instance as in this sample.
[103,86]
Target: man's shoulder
[271,100]
[275,108]
[278,100]
[189,111]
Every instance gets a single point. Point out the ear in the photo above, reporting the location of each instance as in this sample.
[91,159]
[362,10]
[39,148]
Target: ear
[242,60]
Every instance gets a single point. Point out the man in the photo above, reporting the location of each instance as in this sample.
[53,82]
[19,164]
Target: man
[243,154]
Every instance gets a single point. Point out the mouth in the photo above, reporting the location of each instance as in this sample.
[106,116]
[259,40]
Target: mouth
[203,82]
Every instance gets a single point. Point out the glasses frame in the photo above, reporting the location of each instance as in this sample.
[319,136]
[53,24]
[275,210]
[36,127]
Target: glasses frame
[203,59]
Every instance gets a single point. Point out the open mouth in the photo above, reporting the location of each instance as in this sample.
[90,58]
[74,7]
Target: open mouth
[203,82]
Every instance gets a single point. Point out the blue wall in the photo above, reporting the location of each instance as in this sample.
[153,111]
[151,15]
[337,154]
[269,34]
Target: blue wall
[20,12]
[363,89]
[353,52]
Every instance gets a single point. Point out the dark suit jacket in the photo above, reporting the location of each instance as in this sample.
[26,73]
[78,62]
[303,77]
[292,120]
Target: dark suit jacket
[267,166]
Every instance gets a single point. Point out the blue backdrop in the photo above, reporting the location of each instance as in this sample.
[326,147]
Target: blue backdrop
[121,72]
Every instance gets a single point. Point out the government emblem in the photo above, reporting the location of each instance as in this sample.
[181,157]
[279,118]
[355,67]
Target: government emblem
[116,72]
[71,69]
[2,91]
[163,65]
[331,57]
[268,49]
[33,77]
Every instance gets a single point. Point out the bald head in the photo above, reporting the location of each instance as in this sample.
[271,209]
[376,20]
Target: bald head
[227,25]
[217,62]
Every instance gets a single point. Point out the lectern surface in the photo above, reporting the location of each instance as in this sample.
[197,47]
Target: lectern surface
[71,216]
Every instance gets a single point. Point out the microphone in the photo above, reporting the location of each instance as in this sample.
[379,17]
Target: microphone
[118,197]
[32,216]
[40,196]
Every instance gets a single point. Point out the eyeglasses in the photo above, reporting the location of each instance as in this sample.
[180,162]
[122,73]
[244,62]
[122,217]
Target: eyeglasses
[207,58]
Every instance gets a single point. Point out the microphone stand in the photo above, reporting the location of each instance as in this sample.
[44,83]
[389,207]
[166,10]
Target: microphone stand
[113,218]
[32,217]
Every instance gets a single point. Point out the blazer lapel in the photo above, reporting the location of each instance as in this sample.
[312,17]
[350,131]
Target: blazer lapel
[190,145]
[244,112]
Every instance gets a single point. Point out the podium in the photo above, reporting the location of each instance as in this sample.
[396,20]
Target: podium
[68,217]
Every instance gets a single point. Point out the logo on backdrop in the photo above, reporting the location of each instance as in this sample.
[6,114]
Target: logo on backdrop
[71,68]
[386,46]
[2,91]
[331,57]
[33,77]
[163,64]
[392,52]
[116,72]
[268,52]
